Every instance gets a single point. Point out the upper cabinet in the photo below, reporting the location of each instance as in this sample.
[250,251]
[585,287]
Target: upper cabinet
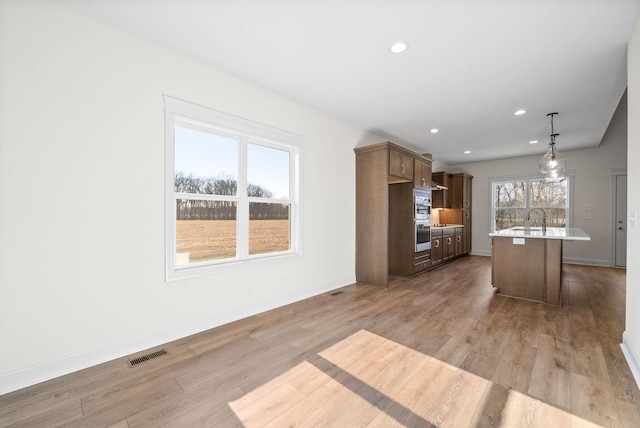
[400,166]
[441,198]
[461,191]
[460,205]
[421,174]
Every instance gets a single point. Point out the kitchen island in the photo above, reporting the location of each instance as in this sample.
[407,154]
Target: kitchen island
[526,262]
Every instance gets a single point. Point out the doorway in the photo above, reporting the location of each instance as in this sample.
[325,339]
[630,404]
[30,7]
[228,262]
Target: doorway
[619,217]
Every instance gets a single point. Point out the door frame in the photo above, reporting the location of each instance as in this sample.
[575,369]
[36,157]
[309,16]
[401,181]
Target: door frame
[615,173]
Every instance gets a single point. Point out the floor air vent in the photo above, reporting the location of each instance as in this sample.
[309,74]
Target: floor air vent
[151,356]
[335,293]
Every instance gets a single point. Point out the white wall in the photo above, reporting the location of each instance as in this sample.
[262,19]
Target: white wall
[81,191]
[592,185]
[631,336]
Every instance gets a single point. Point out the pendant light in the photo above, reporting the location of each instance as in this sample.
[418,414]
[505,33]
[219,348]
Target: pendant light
[553,163]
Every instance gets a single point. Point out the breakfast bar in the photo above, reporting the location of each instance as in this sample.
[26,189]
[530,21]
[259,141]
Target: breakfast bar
[526,262]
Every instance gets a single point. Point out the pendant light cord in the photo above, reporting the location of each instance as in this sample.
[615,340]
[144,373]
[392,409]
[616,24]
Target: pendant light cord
[553,134]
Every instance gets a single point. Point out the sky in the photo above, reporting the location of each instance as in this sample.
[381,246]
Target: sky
[206,155]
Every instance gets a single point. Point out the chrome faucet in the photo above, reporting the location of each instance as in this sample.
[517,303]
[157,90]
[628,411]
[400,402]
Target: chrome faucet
[544,218]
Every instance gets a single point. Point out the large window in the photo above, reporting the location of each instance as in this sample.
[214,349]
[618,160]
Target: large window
[231,190]
[513,197]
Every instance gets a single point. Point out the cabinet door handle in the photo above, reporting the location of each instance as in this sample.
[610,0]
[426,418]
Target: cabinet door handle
[458,238]
[448,240]
[402,166]
[423,181]
[437,243]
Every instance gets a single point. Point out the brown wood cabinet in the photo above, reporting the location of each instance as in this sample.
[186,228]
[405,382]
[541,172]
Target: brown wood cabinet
[385,241]
[460,211]
[421,261]
[448,244]
[436,247]
[421,174]
[441,198]
[459,245]
[461,191]
[401,229]
[461,200]
[466,236]
[400,165]
[530,268]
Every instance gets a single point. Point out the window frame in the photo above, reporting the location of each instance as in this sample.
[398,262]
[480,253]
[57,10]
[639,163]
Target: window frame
[527,178]
[185,114]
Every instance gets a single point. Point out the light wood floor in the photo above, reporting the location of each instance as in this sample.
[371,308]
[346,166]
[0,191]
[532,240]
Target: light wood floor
[441,349]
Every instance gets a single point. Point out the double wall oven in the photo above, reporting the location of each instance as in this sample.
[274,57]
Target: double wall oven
[422,219]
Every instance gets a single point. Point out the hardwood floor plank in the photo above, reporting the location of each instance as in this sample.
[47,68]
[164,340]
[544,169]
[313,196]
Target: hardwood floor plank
[490,414]
[556,322]
[524,411]
[514,368]
[550,376]
[459,403]
[455,351]
[213,413]
[593,400]
[129,399]
[587,357]
[629,413]
[481,360]
[620,376]
[420,392]
[60,415]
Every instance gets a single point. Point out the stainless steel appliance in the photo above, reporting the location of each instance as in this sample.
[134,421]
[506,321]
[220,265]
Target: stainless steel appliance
[422,219]
[423,236]
[422,204]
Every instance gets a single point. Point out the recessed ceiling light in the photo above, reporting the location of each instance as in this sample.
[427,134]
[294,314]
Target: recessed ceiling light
[519,112]
[533,142]
[466,152]
[399,47]
[434,131]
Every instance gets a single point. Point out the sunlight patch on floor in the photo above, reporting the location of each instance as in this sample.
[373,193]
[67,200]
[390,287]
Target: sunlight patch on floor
[367,380]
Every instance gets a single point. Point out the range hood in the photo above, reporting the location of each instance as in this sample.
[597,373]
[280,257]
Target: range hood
[438,186]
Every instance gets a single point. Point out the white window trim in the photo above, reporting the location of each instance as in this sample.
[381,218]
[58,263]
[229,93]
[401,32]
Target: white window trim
[526,177]
[179,112]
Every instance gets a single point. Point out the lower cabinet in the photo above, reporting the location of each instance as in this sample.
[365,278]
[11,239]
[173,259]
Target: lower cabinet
[436,247]
[421,261]
[459,241]
[448,244]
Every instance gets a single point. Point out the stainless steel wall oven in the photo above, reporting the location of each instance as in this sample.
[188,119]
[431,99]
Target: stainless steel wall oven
[422,219]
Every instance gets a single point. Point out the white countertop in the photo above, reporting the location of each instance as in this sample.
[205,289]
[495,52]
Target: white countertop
[566,234]
[447,226]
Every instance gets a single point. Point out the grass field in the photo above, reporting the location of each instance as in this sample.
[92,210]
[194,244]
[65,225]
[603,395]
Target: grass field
[203,240]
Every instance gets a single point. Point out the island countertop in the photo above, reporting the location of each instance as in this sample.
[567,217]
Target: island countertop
[565,234]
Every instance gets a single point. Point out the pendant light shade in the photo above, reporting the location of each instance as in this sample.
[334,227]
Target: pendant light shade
[553,162]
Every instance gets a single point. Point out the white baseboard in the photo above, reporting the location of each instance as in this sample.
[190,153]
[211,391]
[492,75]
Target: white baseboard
[18,379]
[480,253]
[632,358]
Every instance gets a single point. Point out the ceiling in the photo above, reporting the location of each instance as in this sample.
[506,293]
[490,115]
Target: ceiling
[469,66]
